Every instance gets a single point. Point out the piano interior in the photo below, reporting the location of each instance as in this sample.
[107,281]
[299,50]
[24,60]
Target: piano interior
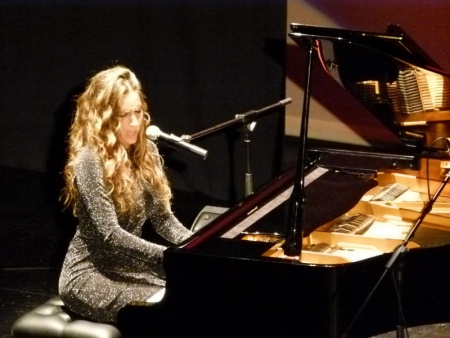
[376,225]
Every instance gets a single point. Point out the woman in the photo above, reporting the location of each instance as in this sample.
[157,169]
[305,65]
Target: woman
[114,183]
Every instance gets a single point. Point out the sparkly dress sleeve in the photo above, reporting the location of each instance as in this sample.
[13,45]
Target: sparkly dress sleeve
[102,214]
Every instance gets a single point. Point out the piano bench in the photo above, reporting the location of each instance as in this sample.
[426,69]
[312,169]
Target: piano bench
[52,320]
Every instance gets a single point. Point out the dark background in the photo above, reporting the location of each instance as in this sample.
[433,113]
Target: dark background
[201,63]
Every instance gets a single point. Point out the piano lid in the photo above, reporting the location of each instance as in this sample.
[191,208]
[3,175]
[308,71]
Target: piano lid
[390,75]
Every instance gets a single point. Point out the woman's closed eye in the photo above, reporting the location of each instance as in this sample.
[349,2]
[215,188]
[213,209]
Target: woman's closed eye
[138,113]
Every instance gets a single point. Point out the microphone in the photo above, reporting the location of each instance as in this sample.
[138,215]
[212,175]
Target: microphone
[154,133]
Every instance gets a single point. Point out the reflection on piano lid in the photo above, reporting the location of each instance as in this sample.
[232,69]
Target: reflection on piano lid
[392,77]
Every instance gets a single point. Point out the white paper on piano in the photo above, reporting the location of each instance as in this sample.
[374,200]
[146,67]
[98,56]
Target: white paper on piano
[354,252]
[390,228]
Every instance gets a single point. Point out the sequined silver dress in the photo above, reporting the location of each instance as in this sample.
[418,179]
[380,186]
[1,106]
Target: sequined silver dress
[108,264]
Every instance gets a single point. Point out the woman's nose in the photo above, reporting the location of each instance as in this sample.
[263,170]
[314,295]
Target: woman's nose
[134,120]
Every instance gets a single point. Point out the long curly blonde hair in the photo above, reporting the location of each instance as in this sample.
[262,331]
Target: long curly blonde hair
[96,125]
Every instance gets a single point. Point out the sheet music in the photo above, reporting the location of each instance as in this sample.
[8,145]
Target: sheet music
[256,214]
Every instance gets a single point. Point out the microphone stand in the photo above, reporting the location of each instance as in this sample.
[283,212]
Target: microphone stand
[248,129]
[398,253]
[248,121]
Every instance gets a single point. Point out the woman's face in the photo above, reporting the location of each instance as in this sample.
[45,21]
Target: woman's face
[130,116]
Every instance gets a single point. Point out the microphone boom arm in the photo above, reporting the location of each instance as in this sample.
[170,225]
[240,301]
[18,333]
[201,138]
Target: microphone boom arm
[239,118]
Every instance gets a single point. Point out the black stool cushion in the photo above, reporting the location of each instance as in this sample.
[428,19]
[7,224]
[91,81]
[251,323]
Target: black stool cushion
[51,320]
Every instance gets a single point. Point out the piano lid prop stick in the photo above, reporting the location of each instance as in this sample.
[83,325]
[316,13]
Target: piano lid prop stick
[296,216]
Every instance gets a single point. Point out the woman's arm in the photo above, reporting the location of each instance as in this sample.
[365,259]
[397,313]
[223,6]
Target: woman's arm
[164,222]
[102,213]
[168,226]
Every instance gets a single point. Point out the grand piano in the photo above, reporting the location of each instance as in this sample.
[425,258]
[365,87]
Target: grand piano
[234,278]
